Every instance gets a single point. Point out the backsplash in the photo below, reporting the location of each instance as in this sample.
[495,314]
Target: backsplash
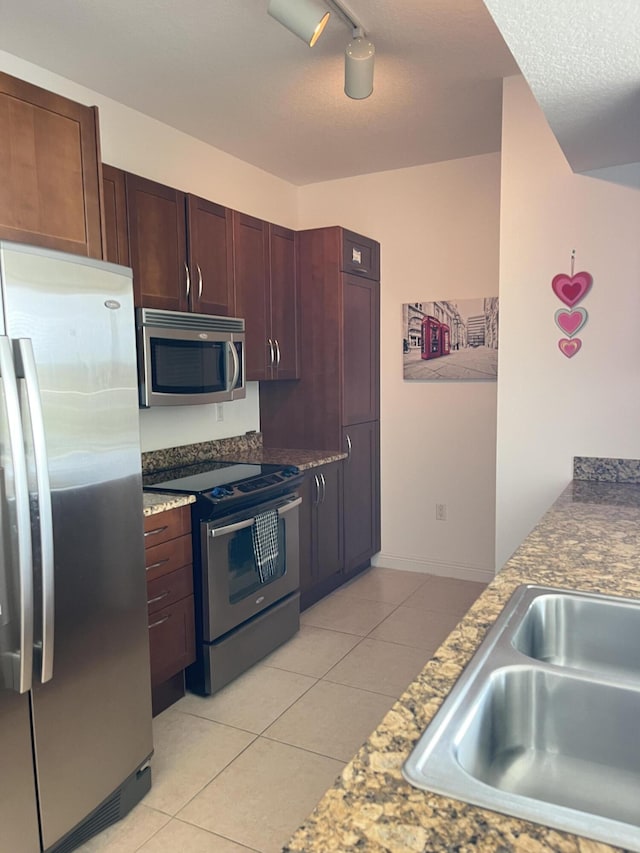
[189,454]
[606,470]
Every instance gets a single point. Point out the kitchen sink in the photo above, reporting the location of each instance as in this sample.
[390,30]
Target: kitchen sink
[585,633]
[542,724]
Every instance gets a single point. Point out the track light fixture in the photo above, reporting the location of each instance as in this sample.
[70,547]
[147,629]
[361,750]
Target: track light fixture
[359,58]
[308,18]
[304,18]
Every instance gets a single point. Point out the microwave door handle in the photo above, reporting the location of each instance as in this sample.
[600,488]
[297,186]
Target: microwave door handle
[24,662]
[236,365]
[240,525]
[26,369]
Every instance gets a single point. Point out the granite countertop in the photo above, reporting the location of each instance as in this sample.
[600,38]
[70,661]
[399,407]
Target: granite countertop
[589,540]
[245,448]
[155,502]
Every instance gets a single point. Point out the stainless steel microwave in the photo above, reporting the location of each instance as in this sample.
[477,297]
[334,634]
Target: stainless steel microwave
[185,359]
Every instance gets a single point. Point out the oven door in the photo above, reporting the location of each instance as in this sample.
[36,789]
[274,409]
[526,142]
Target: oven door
[232,589]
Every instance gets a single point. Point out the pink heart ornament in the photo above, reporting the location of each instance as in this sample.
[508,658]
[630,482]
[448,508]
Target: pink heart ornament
[569,347]
[570,322]
[570,289]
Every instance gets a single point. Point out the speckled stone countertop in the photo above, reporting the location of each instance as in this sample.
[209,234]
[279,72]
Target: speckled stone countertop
[589,540]
[154,502]
[242,448]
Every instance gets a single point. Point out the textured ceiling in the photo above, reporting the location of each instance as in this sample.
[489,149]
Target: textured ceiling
[227,73]
[581,59]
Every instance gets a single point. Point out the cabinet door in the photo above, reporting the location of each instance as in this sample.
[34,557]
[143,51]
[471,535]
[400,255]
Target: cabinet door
[250,268]
[329,522]
[284,302]
[49,170]
[361,495]
[361,348]
[171,640]
[209,233]
[157,245]
[309,493]
[115,216]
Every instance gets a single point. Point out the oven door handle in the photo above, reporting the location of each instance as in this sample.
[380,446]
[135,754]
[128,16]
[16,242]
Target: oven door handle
[240,525]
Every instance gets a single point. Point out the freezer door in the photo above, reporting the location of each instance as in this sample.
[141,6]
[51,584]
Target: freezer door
[18,813]
[92,720]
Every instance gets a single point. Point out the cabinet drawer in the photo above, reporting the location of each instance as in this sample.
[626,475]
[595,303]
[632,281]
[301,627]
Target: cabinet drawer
[166,589]
[167,557]
[166,525]
[172,645]
[360,255]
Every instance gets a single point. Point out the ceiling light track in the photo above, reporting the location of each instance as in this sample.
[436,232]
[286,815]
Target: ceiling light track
[308,18]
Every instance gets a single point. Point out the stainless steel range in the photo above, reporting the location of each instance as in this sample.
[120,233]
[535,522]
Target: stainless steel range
[241,614]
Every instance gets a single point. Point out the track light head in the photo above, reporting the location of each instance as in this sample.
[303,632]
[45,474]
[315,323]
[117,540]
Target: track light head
[359,58]
[304,18]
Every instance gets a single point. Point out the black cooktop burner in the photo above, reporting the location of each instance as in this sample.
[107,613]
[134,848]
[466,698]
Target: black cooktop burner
[224,482]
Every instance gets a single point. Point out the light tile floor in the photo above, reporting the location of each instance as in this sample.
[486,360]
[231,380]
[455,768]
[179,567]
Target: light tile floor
[241,770]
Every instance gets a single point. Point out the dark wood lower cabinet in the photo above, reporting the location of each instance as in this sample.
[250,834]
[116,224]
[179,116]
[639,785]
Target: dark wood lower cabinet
[170,603]
[361,495]
[321,533]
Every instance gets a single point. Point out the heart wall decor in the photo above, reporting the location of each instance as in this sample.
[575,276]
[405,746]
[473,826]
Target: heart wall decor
[569,347]
[571,289]
[570,322]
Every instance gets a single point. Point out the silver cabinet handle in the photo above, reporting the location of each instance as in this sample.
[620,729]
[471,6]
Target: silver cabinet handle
[186,269]
[317,497]
[349,448]
[240,525]
[159,622]
[26,369]
[155,565]
[155,531]
[24,675]
[324,487]
[277,352]
[199,281]
[272,352]
[158,598]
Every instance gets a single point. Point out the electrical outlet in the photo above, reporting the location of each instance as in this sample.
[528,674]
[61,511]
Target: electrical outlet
[441,512]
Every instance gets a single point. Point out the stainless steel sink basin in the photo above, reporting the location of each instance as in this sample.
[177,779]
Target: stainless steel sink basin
[543,723]
[580,632]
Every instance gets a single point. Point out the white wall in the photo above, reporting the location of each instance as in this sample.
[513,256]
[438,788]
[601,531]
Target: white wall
[551,408]
[438,228]
[144,146]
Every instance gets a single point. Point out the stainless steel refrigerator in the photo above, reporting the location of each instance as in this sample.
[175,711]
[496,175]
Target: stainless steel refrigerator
[75,698]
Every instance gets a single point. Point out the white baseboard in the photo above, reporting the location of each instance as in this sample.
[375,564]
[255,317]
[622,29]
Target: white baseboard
[461,571]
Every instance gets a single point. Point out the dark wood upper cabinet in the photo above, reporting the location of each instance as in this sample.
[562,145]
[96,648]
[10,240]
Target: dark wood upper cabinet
[250,272]
[115,216]
[283,302]
[361,345]
[209,235]
[50,181]
[157,245]
[265,296]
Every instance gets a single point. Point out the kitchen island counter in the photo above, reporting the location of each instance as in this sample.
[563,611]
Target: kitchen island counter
[589,540]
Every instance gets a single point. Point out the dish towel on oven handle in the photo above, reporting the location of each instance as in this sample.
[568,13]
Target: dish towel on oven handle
[264,533]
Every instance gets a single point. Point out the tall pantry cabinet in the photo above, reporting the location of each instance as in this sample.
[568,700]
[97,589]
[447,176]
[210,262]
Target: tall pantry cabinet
[336,403]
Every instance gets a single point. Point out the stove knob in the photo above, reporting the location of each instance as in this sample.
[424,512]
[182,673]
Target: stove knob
[219,492]
[291,471]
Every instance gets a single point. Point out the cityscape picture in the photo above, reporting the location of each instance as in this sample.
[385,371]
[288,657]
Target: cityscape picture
[451,340]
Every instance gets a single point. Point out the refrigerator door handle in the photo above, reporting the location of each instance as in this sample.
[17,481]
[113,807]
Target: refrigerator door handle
[24,674]
[26,369]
